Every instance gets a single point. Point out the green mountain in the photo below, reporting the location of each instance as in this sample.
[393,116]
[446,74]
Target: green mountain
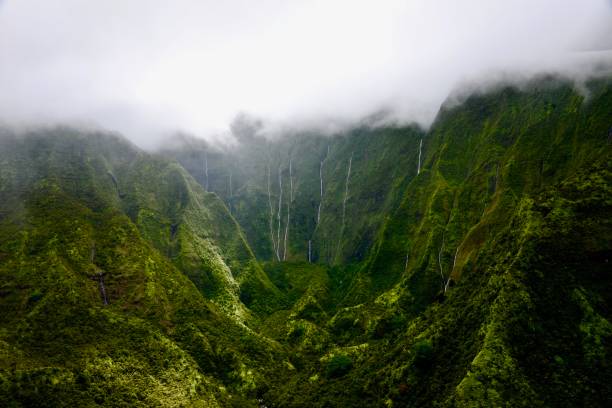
[466,265]
[120,279]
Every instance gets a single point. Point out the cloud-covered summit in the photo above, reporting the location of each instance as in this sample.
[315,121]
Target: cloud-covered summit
[146,67]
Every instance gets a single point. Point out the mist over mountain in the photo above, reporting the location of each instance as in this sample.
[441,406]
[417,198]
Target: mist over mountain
[305,204]
[147,69]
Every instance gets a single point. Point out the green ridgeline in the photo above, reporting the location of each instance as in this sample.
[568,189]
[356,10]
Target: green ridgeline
[86,211]
[483,280]
[489,284]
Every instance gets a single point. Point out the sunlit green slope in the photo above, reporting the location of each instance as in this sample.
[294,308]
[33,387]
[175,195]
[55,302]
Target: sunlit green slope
[120,280]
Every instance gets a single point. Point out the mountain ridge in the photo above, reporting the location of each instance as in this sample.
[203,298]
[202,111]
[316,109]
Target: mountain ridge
[437,263]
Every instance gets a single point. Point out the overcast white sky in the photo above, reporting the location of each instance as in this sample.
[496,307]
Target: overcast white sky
[144,67]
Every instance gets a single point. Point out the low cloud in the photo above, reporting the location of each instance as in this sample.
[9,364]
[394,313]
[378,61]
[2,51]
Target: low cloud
[149,67]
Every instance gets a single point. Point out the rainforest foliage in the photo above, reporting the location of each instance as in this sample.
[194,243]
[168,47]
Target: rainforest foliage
[466,265]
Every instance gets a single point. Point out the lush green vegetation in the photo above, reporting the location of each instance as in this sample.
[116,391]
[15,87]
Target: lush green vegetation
[483,280]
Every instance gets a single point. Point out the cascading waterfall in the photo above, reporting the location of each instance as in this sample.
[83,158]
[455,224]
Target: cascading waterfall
[320,203]
[321,196]
[286,233]
[446,280]
[321,183]
[346,189]
[419,165]
[451,272]
[346,193]
[290,180]
[278,214]
[288,208]
[206,169]
[310,251]
[271,222]
[440,261]
[231,193]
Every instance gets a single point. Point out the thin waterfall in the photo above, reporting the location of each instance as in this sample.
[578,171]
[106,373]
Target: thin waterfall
[310,251]
[321,196]
[231,193]
[452,270]
[288,208]
[446,280]
[346,193]
[321,183]
[320,203]
[440,260]
[346,189]
[271,222]
[278,214]
[419,165]
[286,233]
[290,180]
[206,169]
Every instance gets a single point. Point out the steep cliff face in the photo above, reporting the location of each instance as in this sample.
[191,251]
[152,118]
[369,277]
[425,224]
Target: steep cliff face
[482,158]
[460,266]
[464,296]
[302,181]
